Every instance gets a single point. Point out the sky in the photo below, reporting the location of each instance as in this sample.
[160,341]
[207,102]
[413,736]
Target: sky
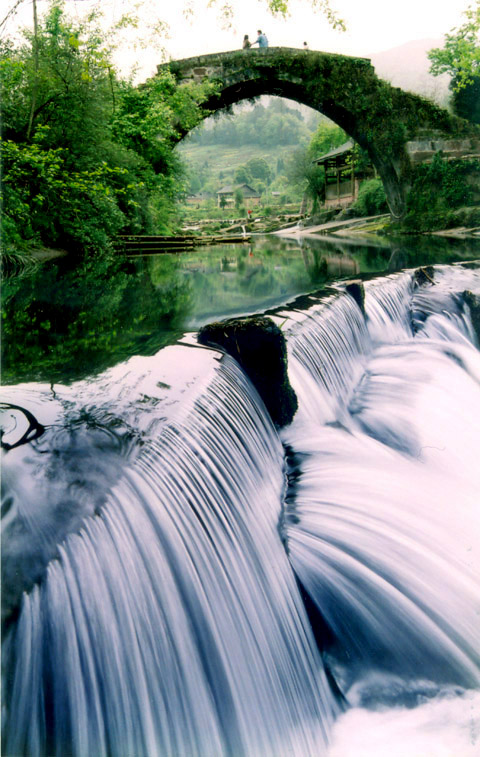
[372,25]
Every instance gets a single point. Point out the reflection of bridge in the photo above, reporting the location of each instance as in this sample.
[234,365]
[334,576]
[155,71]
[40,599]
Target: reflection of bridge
[395,127]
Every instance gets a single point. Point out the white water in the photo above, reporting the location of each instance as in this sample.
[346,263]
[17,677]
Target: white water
[165,618]
[383,524]
[170,624]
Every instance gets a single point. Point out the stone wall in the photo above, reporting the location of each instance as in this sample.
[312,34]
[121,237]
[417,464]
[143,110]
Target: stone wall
[422,150]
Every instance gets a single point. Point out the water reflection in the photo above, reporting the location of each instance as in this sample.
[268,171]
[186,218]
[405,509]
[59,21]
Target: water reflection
[63,322]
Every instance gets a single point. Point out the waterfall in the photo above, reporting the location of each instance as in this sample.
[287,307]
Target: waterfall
[171,623]
[186,580]
[382,521]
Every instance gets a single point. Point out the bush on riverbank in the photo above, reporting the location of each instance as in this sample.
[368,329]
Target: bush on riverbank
[371,198]
[438,190]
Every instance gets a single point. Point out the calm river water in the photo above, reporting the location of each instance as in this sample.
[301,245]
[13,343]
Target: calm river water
[66,321]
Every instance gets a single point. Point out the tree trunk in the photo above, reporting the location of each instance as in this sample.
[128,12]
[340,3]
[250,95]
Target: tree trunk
[35,69]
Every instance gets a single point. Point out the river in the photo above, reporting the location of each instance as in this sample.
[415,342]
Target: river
[180,577]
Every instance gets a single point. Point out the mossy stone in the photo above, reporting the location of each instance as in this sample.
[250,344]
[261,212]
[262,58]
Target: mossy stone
[424,275]
[260,348]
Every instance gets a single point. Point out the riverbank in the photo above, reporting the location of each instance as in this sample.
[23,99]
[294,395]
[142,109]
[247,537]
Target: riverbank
[371,225]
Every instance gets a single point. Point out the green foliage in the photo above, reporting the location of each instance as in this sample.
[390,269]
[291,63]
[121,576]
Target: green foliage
[86,155]
[243,175]
[238,198]
[371,198]
[460,55]
[327,137]
[45,203]
[466,100]
[438,188]
[305,174]
[460,58]
[258,168]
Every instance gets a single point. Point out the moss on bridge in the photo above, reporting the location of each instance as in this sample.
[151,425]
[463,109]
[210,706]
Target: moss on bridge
[381,118]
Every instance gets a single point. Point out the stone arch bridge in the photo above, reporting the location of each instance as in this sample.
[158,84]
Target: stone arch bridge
[397,129]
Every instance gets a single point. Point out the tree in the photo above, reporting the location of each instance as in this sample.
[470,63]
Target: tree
[85,154]
[460,58]
[460,55]
[281,8]
[238,197]
[466,100]
[259,169]
[243,175]
[306,175]
[327,137]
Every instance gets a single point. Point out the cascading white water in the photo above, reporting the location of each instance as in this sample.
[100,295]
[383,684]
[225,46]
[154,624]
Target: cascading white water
[171,624]
[162,614]
[383,522]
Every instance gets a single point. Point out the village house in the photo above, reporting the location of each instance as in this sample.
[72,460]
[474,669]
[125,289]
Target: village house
[343,174]
[197,200]
[250,195]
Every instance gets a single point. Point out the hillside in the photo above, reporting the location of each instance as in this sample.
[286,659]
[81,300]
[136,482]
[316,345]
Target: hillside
[407,66]
[221,161]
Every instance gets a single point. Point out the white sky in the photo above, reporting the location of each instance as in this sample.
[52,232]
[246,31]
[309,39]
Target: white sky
[372,25]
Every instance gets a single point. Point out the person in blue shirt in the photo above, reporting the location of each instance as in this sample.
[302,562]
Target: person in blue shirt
[261,39]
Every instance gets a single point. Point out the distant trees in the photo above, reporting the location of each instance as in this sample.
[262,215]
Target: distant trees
[242,175]
[238,198]
[258,168]
[269,125]
[275,124]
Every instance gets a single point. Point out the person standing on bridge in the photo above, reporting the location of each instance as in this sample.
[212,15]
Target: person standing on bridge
[261,39]
[246,43]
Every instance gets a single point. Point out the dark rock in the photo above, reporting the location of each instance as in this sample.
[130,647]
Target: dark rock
[424,275]
[473,302]
[356,289]
[260,348]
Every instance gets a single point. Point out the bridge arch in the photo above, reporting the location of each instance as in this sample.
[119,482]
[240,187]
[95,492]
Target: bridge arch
[393,126]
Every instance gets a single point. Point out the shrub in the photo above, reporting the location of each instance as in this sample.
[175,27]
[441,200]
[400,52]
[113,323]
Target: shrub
[371,198]
[438,189]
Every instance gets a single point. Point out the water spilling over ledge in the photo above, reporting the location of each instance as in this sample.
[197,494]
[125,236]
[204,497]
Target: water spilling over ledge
[190,590]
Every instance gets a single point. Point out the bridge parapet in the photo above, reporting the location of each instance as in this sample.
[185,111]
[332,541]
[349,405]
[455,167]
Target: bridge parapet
[237,65]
